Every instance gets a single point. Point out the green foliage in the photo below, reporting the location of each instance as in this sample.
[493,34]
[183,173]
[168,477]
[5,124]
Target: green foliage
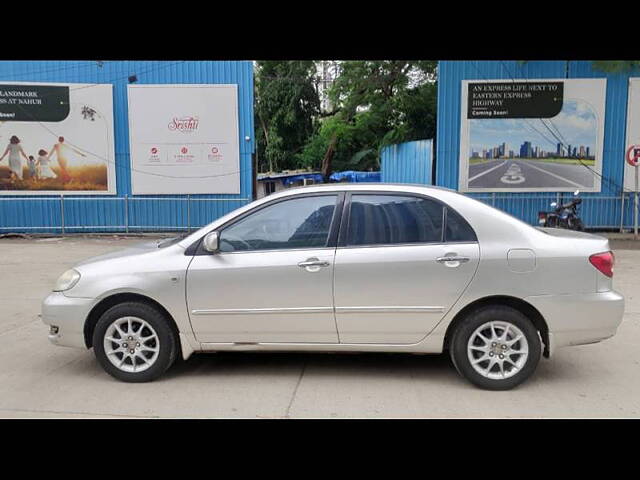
[376,103]
[373,104]
[287,105]
[616,66]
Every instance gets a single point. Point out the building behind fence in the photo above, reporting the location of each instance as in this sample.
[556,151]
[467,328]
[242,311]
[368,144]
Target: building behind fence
[124,212]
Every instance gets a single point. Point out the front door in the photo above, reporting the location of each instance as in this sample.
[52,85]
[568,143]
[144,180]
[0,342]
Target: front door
[271,281]
[401,263]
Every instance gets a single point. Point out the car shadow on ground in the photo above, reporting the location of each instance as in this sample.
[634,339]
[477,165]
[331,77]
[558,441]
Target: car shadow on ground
[338,363]
[385,367]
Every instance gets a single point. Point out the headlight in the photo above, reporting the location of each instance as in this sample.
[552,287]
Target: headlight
[67,280]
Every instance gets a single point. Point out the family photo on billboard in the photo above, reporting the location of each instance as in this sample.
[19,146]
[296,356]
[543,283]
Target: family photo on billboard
[56,138]
[542,135]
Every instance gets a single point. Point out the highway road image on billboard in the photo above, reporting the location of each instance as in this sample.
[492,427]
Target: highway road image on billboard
[532,136]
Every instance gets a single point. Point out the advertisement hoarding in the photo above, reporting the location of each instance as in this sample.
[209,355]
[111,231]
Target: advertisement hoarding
[532,135]
[184,139]
[56,138]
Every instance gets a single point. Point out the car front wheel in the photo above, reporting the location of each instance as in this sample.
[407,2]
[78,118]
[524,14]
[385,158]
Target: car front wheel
[134,342]
[496,348]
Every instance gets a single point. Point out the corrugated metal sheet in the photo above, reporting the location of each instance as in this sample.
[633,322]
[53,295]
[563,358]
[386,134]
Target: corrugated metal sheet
[122,211]
[409,162]
[601,209]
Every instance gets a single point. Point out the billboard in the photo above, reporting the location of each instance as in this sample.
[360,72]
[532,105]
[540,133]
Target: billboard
[532,135]
[184,139]
[56,138]
[633,130]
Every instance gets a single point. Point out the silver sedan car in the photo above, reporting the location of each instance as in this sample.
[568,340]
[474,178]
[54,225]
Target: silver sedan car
[359,268]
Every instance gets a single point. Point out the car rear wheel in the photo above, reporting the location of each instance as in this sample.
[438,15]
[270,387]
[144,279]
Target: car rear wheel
[496,348]
[134,343]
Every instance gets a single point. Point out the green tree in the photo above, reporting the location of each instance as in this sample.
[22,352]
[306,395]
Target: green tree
[375,103]
[287,106]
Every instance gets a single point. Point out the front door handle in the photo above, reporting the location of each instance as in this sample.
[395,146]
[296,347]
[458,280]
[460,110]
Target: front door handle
[313,264]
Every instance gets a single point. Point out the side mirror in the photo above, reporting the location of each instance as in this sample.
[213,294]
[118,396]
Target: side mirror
[211,242]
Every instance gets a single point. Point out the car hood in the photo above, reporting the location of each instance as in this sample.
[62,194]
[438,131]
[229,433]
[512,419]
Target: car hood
[136,249]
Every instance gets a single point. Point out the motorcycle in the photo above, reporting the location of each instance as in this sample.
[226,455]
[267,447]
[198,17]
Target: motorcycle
[563,216]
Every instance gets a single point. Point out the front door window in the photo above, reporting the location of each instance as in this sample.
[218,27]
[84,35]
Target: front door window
[292,224]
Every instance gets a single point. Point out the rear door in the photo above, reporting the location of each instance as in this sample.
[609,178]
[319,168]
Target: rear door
[402,262]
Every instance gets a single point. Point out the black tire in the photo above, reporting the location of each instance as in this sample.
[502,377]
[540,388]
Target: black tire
[552,222]
[167,340]
[465,329]
[576,224]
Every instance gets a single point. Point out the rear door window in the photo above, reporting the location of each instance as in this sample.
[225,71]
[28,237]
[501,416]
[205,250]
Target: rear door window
[394,219]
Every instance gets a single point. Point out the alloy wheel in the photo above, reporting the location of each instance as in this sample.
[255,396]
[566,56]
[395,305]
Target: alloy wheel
[131,344]
[497,350]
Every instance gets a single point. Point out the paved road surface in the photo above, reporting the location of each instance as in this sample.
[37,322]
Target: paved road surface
[512,173]
[38,379]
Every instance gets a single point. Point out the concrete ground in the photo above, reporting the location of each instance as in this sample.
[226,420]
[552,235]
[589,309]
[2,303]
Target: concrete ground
[39,380]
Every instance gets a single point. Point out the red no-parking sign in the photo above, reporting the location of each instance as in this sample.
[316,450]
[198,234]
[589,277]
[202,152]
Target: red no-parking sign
[633,155]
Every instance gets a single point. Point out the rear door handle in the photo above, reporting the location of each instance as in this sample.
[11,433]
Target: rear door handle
[452,258]
[313,264]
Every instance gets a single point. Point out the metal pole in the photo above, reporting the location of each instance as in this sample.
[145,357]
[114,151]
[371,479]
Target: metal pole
[62,212]
[126,213]
[493,199]
[635,209]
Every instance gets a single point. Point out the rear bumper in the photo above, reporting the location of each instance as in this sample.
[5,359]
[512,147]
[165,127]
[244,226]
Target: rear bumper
[68,314]
[579,319]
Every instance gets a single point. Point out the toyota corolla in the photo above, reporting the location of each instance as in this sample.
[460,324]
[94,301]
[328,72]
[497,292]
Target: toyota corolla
[359,268]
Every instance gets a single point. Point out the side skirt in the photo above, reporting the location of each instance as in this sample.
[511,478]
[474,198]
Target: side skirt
[431,344]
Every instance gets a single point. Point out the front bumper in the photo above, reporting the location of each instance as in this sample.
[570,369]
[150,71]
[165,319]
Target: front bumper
[68,314]
[579,319]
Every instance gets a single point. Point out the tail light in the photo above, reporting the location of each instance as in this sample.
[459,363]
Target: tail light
[542,217]
[603,262]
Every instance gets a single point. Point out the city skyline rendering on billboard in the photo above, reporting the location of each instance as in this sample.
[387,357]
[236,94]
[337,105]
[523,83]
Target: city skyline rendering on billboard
[532,136]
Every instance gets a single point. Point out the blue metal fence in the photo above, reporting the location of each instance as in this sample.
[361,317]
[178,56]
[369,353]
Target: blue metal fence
[409,162]
[123,211]
[126,214]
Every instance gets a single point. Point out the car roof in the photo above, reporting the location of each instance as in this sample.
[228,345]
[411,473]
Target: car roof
[368,186]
